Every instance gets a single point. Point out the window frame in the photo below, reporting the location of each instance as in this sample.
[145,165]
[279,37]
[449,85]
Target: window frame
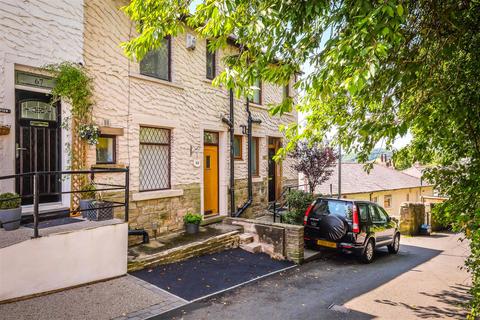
[169,144]
[169,63]
[114,148]
[240,156]
[257,158]
[260,98]
[213,55]
[389,202]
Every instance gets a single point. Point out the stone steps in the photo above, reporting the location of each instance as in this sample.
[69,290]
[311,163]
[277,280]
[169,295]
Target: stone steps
[252,247]
[246,238]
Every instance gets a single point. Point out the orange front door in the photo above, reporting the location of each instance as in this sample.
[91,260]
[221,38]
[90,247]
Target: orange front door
[210,179]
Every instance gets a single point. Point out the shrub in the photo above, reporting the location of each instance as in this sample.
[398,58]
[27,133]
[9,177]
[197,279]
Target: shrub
[297,201]
[14,201]
[88,192]
[194,218]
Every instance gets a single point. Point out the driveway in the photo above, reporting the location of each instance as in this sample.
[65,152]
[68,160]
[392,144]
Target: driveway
[424,280]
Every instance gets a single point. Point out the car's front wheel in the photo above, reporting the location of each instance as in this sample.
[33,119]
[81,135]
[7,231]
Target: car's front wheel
[368,253]
[395,246]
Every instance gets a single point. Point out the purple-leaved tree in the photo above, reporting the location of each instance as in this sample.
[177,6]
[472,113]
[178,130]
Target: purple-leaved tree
[315,161]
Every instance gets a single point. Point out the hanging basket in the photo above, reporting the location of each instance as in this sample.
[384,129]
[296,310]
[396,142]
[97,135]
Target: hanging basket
[4,130]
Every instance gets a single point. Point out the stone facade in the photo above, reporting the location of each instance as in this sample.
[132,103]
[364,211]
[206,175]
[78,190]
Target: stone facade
[412,216]
[188,105]
[279,240]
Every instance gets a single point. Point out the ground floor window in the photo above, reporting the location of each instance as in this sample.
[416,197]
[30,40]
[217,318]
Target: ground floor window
[255,156]
[155,164]
[106,149]
[237,147]
[387,201]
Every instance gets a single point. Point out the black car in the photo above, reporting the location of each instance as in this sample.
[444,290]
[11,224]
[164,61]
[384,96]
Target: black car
[350,226]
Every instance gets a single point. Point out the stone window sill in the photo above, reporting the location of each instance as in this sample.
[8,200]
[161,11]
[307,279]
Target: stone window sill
[155,80]
[159,194]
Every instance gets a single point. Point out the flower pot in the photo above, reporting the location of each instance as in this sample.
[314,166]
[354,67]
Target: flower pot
[10,218]
[96,210]
[192,228]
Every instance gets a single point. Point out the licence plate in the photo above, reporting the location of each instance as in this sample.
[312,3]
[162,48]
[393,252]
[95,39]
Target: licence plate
[325,243]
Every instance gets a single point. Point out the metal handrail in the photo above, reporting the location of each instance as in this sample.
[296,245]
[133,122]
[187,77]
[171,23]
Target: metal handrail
[36,192]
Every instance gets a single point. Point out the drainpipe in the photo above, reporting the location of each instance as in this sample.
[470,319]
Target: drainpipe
[249,152]
[230,122]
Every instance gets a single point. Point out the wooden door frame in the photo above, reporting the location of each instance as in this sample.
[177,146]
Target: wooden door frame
[277,141]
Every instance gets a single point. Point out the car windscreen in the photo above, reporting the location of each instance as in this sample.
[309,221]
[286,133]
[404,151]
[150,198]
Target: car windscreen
[325,207]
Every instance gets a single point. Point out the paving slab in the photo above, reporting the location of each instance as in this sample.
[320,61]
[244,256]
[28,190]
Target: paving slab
[121,298]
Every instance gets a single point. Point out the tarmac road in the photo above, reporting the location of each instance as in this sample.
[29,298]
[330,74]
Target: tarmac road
[423,281]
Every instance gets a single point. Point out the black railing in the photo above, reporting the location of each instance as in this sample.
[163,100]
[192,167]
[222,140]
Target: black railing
[60,175]
[279,205]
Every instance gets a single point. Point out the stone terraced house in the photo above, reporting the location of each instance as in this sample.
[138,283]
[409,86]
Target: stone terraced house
[161,116]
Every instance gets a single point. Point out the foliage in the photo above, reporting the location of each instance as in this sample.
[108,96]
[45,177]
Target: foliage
[88,192]
[74,86]
[193,218]
[314,161]
[9,200]
[297,202]
[89,133]
[378,69]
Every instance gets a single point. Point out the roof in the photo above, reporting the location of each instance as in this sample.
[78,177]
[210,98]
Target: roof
[356,180]
[415,170]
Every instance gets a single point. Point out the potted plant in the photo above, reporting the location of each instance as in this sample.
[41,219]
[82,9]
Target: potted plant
[192,222]
[93,209]
[10,211]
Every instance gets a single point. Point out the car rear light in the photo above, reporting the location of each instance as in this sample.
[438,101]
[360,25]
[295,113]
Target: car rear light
[307,212]
[355,222]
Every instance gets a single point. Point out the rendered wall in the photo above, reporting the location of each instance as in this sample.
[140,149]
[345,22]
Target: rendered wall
[63,260]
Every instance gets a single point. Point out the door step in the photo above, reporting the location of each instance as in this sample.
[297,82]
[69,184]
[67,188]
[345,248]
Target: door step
[48,214]
[246,238]
[253,247]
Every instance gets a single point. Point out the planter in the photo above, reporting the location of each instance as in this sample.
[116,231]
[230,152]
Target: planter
[10,218]
[192,228]
[96,210]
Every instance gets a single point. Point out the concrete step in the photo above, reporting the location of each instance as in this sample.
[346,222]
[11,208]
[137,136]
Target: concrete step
[246,238]
[253,247]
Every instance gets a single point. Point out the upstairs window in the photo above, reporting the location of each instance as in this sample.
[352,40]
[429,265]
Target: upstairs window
[210,57]
[257,95]
[157,63]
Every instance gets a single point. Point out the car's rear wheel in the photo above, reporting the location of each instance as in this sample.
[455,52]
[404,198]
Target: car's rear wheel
[368,253]
[395,246]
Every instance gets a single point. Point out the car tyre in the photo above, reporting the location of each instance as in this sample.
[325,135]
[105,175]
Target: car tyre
[368,253]
[395,246]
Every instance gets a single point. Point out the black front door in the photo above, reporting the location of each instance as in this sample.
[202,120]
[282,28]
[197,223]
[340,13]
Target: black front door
[37,145]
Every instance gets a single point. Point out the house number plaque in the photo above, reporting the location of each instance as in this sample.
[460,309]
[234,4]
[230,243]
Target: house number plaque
[33,80]
[3,110]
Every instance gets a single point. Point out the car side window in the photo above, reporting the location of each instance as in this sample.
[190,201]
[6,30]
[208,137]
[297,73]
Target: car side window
[363,211]
[377,215]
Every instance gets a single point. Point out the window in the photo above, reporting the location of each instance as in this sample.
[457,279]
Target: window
[408,196]
[106,149]
[375,199]
[237,147]
[157,63]
[377,215]
[387,201]
[154,159]
[210,63]
[257,94]
[255,156]
[362,210]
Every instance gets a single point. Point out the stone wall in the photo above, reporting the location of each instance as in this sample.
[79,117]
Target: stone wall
[412,216]
[279,240]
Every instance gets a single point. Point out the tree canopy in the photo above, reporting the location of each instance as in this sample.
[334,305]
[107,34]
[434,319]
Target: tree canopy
[377,69]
